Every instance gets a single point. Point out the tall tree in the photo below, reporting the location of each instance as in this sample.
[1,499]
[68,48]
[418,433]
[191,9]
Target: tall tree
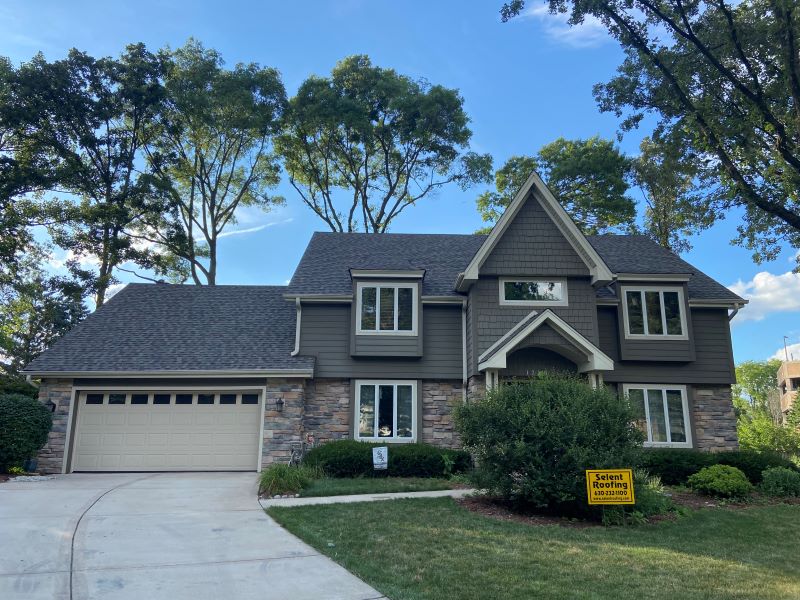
[211,153]
[755,381]
[674,206]
[588,177]
[90,117]
[729,73]
[366,143]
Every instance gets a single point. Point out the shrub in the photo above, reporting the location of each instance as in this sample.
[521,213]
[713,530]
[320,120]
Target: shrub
[781,482]
[350,458]
[286,479]
[721,480]
[24,425]
[674,466]
[650,501]
[753,463]
[533,440]
[17,385]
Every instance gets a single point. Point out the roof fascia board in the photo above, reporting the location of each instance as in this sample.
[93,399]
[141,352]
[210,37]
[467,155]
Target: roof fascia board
[495,357]
[712,303]
[597,267]
[301,373]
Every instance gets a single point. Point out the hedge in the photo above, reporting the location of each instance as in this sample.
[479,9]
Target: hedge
[351,458]
[24,425]
[675,466]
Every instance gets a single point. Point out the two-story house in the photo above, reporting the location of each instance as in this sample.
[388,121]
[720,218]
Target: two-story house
[380,337]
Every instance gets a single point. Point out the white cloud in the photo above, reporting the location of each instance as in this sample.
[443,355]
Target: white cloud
[588,34]
[84,261]
[768,294]
[254,229]
[792,349]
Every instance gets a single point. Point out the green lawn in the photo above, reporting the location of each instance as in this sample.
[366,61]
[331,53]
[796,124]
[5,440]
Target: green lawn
[433,548]
[383,485]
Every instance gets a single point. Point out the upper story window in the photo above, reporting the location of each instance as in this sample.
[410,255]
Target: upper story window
[533,292]
[654,312]
[387,308]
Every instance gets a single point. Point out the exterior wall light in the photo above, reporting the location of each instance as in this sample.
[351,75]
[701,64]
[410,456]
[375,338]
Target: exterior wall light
[279,403]
[51,405]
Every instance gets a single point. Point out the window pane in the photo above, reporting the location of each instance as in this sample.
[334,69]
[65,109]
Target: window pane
[635,319]
[116,398]
[658,428]
[535,291]
[636,398]
[94,398]
[366,411]
[405,308]
[405,419]
[654,324]
[677,427]
[387,309]
[673,313]
[385,411]
[249,398]
[227,398]
[138,398]
[183,398]
[368,308]
[161,398]
[205,398]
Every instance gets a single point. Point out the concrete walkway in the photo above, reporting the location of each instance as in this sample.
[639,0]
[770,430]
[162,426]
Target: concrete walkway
[191,536]
[364,498]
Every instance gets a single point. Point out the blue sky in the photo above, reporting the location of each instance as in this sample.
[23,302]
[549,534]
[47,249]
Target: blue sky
[524,83]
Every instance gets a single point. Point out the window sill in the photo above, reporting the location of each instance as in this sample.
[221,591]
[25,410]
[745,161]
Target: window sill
[386,440]
[686,445]
[656,338]
[388,333]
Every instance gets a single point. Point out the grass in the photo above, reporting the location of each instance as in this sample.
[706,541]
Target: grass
[364,485]
[435,549]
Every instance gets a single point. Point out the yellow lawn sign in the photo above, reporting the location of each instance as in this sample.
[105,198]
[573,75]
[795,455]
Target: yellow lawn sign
[609,486]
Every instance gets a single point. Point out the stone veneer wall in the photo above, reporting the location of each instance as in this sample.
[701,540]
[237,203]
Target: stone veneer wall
[476,387]
[439,399]
[59,391]
[328,412]
[714,419]
[282,427]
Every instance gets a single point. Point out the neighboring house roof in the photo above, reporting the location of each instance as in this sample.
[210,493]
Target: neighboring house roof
[329,257]
[641,255]
[178,328]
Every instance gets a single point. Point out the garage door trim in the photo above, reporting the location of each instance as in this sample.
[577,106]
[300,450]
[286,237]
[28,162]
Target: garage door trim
[77,390]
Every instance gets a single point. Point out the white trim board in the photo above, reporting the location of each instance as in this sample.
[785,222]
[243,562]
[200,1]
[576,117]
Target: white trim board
[597,267]
[495,356]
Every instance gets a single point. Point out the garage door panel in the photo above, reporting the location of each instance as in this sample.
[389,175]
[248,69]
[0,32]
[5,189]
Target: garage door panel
[158,437]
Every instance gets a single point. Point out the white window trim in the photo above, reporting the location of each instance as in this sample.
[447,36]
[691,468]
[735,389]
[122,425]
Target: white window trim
[685,403]
[503,302]
[393,439]
[653,336]
[414,311]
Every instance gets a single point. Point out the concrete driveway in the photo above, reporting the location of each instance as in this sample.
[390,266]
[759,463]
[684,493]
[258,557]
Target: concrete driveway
[152,536]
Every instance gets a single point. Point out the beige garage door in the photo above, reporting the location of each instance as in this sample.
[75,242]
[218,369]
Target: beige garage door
[167,431]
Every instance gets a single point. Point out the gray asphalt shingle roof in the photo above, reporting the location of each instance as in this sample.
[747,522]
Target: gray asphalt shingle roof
[161,327]
[326,263]
[640,254]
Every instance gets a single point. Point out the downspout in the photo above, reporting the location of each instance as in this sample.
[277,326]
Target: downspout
[299,311]
[464,350]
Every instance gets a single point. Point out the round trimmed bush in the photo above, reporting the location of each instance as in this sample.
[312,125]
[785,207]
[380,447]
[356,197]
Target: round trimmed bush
[780,482]
[753,463]
[723,481]
[533,440]
[24,425]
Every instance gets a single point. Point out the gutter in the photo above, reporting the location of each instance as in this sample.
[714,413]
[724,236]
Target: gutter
[305,373]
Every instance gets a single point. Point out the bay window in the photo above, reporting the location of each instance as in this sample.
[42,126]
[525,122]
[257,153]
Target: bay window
[662,414]
[387,309]
[386,411]
[651,312]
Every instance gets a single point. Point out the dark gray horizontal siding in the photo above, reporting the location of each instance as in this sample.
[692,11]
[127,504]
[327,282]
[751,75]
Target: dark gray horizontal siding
[387,345]
[713,362]
[326,330]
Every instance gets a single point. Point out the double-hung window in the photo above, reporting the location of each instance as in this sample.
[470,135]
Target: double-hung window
[663,414]
[652,312]
[386,411]
[387,308]
[533,292]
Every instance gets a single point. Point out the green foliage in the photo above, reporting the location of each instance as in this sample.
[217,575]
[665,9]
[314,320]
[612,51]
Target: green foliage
[286,479]
[761,433]
[780,482]
[24,425]
[651,500]
[755,381]
[533,440]
[16,471]
[350,458]
[366,143]
[17,385]
[588,177]
[753,463]
[721,480]
[673,465]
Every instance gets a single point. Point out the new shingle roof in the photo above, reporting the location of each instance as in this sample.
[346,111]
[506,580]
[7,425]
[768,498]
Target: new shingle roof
[640,254]
[326,263]
[161,327]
